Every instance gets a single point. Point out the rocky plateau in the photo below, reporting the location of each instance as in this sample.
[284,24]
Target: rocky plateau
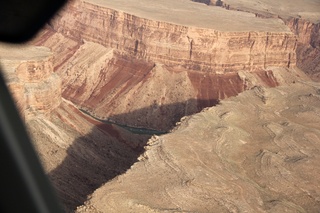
[175,106]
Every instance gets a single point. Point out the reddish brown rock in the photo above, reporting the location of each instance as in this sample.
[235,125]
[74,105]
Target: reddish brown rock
[200,44]
[308,48]
[302,17]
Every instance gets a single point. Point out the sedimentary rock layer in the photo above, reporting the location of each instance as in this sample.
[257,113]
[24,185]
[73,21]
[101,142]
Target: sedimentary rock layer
[308,48]
[206,44]
[302,17]
[111,85]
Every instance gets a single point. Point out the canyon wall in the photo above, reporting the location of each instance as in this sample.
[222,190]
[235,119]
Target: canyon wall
[303,19]
[29,74]
[110,85]
[148,73]
[308,48]
[172,44]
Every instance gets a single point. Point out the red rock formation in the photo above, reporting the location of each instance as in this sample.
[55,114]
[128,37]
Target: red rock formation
[302,17]
[173,44]
[146,69]
[111,85]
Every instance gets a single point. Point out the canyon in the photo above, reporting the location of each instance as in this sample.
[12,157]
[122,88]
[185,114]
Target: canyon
[231,85]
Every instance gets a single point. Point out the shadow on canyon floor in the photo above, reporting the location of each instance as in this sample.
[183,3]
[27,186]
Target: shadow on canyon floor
[109,150]
[163,117]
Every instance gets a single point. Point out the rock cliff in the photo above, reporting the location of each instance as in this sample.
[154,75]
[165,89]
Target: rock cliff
[128,53]
[29,73]
[78,153]
[308,48]
[212,42]
[132,91]
[302,17]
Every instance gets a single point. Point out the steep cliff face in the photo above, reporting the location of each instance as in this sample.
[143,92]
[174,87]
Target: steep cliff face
[29,73]
[108,84]
[302,17]
[308,48]
[200,48]
[150,70]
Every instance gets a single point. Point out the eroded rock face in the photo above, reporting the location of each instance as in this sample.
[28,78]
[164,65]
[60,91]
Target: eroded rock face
[308,48]
[112,84]
[113,61]
[302,17]
[213,47]
[29,73]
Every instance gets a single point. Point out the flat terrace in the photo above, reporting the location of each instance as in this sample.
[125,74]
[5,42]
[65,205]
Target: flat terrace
[12,55]
[306,9]
[188,13]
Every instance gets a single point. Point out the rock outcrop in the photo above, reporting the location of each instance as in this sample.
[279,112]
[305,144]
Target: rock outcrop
[209,41]
[29,73]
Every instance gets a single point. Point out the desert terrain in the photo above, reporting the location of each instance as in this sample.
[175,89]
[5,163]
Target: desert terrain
[175,106]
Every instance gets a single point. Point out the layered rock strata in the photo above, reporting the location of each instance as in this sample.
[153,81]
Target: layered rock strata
[109,84]
[308,48]
[29,73]
[210,41]
[127,51]
[302,17]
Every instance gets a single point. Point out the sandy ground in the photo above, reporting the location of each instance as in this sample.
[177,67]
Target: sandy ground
[306,9]
[22,52]
[188,13]
[12,55]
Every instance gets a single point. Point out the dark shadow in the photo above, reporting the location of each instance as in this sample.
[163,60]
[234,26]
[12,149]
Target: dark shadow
[93,160]
[110,150]
[162,117]
[207,2]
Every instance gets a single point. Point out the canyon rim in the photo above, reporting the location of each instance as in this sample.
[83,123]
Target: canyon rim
[175,106]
